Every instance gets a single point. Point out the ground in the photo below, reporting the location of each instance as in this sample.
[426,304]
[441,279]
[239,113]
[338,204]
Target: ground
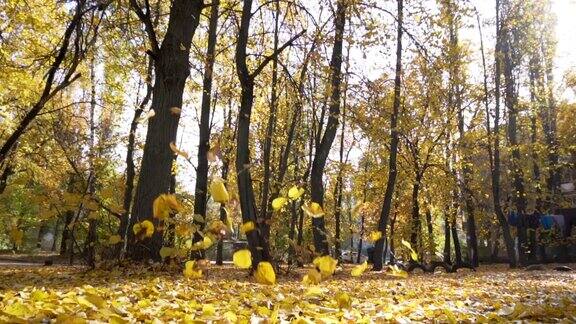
[225,294]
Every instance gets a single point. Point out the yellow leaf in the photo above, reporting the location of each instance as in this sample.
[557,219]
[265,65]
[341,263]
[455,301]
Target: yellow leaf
[208,309]
[397,272]
[265,274]
[247,227]
[218,191]
[375,236]
[149,227]
[16,235]
[143,229]
[151,113]
[326,264]
[358,270]
[295,192]
[114,239]
[279,202]
[191,270]
[314,291]
[175,110]
[313,209]
[413,254]
[343,300]
[242,259]
[312,277]
[116,319]
[177,151]
[198,218]
[166,252]
[17,309]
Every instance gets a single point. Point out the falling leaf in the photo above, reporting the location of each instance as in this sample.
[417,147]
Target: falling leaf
[247,227]
[175,111]
[177,151]
[413,253]
[265,273]
[294,193]
[358,270]
[114,239]
[143,229]
[191,270]
[151,113]
[218,191]
[375,236]
[166,252]
[326,264]
[242,259]
[312,277]
[164,205]
[279,202]
[313,209]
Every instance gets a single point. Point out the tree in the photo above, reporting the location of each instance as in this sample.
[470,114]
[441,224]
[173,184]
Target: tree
[171,69]
[322,151]
[256,242]
[394,143]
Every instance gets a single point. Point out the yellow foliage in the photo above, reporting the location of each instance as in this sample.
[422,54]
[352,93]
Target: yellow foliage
[312,277]
[343,300]
[191,270]
[247,227]
[295,192]
[143,229]
[114,239]
[279,203]
[313,209]
[375,236]
[164,205]
[218,191]
[326,264]
[413,253]
[242,259]
[358,270]
[265,274]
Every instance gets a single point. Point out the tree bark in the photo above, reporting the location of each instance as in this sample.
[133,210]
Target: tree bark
[511,101]
[171,69]
[270,127]
[394,143]
[322,151]
[496,168]
[201,189]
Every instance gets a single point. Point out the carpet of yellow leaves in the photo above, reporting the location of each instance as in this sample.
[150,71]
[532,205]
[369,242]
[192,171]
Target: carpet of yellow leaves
[226,294]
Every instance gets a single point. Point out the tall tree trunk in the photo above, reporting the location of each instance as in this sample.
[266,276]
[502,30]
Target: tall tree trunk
[549,124]
[447,253]
[130,167]
[431,244]
[270,127]
[416,221]
[171,69]
[201,189]
[256,242]
[465,171]
[496,169]
[394,143]
[457,249]
[91,238]
[322,151]
[511,101]
[225,171]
